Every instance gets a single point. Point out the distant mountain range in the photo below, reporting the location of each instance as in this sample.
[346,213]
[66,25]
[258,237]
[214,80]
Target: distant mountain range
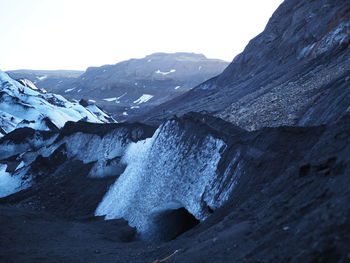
[131,87]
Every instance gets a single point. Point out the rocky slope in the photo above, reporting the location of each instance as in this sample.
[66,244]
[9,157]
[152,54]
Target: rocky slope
[296,72]
[131,87]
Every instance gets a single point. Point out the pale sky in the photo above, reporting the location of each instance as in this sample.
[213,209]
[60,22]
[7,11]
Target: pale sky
[76,34]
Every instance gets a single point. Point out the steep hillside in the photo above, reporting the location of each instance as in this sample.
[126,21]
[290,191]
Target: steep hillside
[296,72]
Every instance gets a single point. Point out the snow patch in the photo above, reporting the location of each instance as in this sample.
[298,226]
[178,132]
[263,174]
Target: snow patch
[144,98]
[118,98]
[41,78]
[69,90]
[177,87]
[99,113]
[165,73]
[110,99]
[21,165]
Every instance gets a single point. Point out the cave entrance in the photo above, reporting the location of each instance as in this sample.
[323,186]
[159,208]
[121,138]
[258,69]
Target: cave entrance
[169,221]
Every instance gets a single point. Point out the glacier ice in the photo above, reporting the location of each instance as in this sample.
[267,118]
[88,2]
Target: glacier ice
[105,151]
[8,184]
[26,106]
[172,169]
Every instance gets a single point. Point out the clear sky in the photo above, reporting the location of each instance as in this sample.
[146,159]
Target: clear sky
[76,34]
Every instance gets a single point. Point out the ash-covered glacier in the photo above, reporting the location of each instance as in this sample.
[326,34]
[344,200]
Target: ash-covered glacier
[28,155]
[24,105]
[180,167]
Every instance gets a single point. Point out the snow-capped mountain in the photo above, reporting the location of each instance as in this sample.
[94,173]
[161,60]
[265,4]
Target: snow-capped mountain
[22,104]
[131,87]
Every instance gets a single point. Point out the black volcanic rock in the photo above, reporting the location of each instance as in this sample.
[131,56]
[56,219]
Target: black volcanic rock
[290,185]
[296,72]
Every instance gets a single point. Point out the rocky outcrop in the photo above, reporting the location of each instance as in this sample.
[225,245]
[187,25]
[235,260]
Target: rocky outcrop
[296,72]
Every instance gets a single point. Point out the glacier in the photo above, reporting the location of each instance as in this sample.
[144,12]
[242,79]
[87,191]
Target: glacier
[176,168]
[27,106]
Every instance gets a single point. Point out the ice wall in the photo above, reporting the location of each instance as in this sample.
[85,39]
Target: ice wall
[177,165]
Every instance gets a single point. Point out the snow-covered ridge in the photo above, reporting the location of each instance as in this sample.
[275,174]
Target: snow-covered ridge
[27,106]
[28,83]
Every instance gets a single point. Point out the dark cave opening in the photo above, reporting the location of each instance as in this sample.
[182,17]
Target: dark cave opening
[167,224]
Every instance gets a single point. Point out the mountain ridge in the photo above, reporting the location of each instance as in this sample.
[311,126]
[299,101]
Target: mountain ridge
[130,87]
[281,73]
